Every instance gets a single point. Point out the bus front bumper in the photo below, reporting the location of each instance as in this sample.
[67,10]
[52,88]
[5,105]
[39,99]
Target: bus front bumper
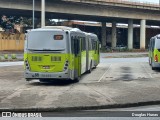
[38,75]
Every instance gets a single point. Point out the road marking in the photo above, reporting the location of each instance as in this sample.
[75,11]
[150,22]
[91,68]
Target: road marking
[146,71]
[104,73]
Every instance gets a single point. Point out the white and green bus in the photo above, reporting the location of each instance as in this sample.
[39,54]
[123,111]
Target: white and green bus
[59,52]
[154,52]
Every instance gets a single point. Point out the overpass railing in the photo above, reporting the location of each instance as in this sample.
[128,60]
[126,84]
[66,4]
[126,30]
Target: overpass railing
[123,3]
[11,42]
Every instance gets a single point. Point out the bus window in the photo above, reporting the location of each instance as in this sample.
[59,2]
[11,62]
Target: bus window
[153,44]
[72,45]
[90,44]
[76,46]
[83,43]
[157,44]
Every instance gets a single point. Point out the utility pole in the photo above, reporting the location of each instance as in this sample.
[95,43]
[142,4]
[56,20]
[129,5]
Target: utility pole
[33,13]
[42,13]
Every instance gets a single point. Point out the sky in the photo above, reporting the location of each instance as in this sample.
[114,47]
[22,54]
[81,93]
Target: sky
[150,1]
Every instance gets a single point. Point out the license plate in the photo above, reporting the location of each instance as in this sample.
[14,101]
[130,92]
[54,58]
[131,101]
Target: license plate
[46,67]
[46,75]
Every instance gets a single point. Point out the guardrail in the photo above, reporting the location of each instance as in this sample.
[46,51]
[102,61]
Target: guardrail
[123,3]
[10,42]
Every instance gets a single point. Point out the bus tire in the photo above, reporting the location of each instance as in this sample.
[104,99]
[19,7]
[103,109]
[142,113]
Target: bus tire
[90,68]
[95,67]
[150,61]
[77,79]
[153,68]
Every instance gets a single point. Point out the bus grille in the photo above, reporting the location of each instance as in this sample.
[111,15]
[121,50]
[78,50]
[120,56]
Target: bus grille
[36,58]
[55,58]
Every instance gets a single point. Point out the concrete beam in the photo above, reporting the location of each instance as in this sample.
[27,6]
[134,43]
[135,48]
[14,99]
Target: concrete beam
[103,32]
[83,9]
[142,34]
[130,34]
[114,35]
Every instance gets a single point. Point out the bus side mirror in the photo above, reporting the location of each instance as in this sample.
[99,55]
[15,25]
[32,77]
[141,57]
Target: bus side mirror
[99,45]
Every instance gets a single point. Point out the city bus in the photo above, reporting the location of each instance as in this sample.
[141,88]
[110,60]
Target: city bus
[59,52]
[154,52]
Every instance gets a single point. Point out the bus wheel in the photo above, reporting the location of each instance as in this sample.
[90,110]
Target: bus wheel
[95,67]
[150,61]
[153,68]
[90,68]
[77,79]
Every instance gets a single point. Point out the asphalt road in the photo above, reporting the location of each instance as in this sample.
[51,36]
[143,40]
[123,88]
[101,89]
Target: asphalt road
[112,69]
[112,81]
[126,69]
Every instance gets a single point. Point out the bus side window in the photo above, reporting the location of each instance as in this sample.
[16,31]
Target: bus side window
[153,44]
[72,45]
[83,44]
[149,46]
[76,46]
[98,46]
[90,44]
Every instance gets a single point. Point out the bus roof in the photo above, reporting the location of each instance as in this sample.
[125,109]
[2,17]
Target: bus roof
[46,28]
[155,37]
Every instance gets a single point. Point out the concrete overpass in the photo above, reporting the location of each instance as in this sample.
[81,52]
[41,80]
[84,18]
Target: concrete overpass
[92,10]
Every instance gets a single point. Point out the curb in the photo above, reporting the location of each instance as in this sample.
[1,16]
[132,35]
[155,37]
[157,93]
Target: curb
[63,109]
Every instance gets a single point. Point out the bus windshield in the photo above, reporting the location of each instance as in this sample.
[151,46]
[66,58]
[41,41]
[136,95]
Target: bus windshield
[157,44]
[46,40]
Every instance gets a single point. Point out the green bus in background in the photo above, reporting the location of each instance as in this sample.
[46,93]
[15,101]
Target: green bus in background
[154,52]
[59,52]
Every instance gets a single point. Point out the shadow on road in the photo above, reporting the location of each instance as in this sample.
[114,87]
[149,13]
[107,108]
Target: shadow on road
[52,83]
[157,70]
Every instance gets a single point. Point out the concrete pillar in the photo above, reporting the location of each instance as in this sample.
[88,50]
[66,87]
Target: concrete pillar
[42,13]
[130,34]
[33,14]
[104,34]
[142,34]
[114,35]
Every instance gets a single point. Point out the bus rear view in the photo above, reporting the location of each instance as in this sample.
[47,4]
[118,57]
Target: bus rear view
[46,54]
